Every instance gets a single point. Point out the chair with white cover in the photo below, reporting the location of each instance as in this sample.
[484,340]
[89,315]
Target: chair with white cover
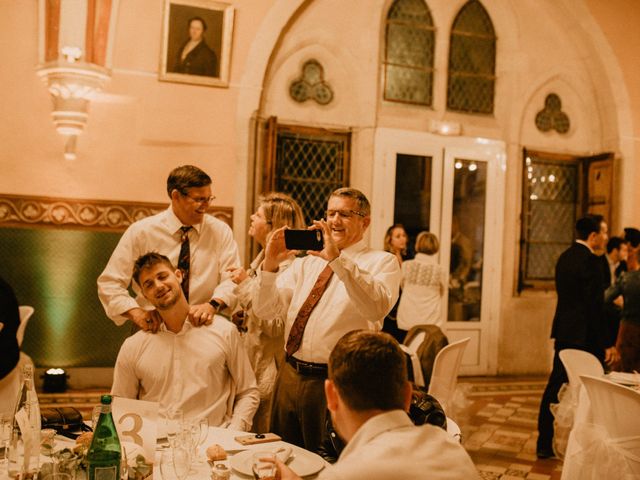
[25,313]
[579,362]
[569,410]
[610,446]
[444,376]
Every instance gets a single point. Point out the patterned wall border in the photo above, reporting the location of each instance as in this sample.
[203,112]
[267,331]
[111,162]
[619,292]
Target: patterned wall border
[106,215]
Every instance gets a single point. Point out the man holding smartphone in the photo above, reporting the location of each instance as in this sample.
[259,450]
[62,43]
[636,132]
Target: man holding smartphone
[344,286]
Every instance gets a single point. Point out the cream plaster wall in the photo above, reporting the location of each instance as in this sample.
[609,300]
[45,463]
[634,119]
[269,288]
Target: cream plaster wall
[138,128]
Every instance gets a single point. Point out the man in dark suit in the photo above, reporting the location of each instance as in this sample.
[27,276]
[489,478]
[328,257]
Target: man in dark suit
[579,319]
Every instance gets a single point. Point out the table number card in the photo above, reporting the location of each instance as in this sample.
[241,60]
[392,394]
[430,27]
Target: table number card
[136,422]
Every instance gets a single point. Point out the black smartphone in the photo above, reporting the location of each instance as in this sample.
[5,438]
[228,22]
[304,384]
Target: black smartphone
[303,239]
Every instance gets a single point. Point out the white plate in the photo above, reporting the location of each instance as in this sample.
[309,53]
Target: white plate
[304,463]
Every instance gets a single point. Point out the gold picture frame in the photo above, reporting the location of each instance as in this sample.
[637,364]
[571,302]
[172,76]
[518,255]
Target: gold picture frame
[196,42]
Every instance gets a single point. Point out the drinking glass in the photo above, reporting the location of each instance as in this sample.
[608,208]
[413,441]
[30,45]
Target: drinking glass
[263,465]
[95,415]
[181,461]
[198,431]
[174,421]
[166,465]
[5,434]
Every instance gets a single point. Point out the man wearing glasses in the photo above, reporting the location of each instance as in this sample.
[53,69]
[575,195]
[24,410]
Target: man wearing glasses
[201,245]
[345,286]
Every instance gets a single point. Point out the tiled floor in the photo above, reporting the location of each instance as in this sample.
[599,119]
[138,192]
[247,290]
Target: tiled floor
[498,419]
[497,416]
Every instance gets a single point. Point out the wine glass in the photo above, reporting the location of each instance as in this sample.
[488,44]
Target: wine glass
[203,426]
[175,421]
[181,461]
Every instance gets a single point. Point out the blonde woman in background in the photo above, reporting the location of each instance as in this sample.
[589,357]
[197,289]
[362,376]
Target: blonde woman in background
[422,286]
[395,241]
[263,344]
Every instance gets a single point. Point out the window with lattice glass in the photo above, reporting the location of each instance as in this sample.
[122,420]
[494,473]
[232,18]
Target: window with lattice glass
[550,206]
[472,61]
[309,165]
[408,64]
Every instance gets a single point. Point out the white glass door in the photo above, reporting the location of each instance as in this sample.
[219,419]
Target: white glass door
[453,187]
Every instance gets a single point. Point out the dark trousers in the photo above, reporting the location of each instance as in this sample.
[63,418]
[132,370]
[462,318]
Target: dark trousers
[299,408]
[557,377]
[545,417]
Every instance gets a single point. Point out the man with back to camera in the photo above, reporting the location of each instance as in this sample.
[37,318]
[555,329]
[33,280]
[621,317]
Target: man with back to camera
[205,371]
[199,244]
[368,396]
[579,321]
[320,297]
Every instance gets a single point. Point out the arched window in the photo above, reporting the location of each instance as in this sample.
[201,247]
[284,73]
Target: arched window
[408,62]
[472,61]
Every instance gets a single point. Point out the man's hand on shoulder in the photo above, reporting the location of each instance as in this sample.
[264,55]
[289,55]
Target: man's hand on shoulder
[202,314]
[147,320]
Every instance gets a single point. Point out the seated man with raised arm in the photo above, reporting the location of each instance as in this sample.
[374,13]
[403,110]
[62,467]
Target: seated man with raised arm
[368,396]
[203,371]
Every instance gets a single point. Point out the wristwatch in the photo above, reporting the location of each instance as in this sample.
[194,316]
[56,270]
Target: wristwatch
[215,304]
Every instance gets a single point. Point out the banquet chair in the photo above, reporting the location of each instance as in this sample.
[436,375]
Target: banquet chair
[579,362]
[612,443]
[444,376]
[569,410]
[425,341]
[25,313]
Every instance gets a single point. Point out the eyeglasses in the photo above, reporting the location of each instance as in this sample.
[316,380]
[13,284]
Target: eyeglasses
[206,200]
[344,213]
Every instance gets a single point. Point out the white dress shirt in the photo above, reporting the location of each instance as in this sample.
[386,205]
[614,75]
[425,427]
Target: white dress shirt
[362,290]
[389,446]
[213,251]
[204,371]
[421,292]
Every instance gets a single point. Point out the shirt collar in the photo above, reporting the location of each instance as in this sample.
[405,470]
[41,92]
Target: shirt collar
[424,258]
[174,224]
[582,242]
[375,426]
[186,326]
[355,248]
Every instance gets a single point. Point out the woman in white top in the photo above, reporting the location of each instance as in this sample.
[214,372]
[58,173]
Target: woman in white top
[262,343]
[422,286]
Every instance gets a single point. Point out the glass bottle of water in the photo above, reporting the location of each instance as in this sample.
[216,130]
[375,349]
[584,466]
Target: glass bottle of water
[24,444]
[104,453]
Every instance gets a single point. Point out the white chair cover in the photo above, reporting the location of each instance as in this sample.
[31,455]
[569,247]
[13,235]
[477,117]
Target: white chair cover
[25,313]
[609,445]
[444,376]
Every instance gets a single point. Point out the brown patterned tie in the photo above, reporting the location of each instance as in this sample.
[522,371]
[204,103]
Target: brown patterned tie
[185,259]
[297,330]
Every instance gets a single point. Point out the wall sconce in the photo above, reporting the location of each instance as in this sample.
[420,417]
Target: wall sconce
[74,56]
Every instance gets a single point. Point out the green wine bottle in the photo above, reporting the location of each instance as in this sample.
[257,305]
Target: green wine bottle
[105,451]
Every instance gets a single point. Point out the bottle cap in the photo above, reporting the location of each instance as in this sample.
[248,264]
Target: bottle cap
[105,399]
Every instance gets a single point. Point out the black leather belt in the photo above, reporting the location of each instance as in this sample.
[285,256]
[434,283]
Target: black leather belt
[309,368]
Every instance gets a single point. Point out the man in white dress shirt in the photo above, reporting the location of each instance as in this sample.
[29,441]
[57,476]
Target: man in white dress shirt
[203,371]
[211,252]
[368,396]
[362,288]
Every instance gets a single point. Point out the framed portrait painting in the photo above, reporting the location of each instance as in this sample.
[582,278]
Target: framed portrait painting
[196,42]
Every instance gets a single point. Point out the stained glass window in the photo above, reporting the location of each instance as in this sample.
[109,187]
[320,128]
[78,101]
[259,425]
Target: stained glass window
[408,64]
[472,61]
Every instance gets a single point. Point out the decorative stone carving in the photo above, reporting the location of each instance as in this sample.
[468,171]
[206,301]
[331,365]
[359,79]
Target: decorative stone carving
[19,211]
[311,85]
[551,117]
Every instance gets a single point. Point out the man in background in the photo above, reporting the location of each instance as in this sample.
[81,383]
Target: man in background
[199,244]
[368,396]
[204,371]
[579,321]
